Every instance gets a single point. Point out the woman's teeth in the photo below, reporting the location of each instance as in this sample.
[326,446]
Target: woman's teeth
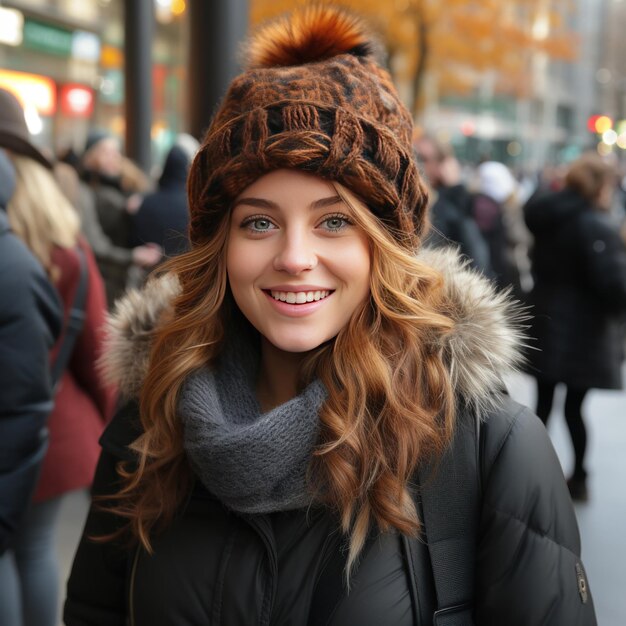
[299,297]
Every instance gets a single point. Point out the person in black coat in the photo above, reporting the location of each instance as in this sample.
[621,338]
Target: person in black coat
[451,217]
[579,297]
[30,320]
[496,187]
[282,564]
[314,428]
[110,183]
[163,216]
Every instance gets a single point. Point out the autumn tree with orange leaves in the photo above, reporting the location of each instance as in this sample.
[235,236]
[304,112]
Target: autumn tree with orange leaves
[454,44]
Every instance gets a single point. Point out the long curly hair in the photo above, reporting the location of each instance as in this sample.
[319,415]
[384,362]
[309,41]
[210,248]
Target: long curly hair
[390,401]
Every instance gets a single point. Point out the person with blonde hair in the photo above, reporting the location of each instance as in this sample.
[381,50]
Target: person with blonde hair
[30,321]
[578,298]
[298,383]
[42,217]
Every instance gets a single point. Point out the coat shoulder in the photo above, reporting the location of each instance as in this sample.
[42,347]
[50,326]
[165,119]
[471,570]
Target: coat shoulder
[503,422]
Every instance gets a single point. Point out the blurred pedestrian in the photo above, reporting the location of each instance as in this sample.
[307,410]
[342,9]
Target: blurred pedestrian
[119,260]
[30,321]
[451,204]
[578,299]
[291,378]
[109,181]
[499,220]
[163,216]
[43,218]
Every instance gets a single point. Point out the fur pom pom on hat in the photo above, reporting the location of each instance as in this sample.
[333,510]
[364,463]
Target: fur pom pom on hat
[314,34]
[313,97]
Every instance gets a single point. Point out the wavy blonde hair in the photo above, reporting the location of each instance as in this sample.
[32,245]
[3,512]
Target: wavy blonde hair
[39,213]
[387,409]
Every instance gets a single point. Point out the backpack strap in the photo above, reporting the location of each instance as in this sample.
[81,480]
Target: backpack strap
[75,322]
[449,494]
[419,568]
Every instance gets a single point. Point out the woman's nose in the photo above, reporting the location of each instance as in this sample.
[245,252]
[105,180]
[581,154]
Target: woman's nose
[296,254]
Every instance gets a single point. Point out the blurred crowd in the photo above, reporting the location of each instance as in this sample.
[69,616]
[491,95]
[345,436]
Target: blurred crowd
[78,230]
[557,243]
[75,233]
[130,221]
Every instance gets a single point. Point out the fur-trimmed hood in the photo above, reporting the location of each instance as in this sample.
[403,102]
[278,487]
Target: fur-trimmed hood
[483,348]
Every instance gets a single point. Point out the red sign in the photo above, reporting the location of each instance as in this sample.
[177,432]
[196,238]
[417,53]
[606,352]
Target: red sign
[76,100]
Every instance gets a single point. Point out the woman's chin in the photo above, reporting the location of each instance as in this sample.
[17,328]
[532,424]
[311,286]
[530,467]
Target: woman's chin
[296,345]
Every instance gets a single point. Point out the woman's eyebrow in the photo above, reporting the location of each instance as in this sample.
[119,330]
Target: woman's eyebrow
[324,202]
[257,202]
[262,203]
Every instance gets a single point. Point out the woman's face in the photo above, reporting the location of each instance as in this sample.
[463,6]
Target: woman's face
[297,265]
[105,157]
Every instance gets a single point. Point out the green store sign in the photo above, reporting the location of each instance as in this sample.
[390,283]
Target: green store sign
[46,38]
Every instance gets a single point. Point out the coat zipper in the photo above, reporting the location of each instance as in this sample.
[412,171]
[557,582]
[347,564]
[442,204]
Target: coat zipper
[131,589]
[268,602]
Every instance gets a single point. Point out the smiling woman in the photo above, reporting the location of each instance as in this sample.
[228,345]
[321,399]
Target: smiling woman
[299,271]
[290,379]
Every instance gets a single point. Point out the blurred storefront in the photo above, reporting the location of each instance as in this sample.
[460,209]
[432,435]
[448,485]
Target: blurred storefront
[64,60]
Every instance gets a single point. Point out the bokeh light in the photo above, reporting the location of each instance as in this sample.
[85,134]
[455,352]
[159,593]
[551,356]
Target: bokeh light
[514,148]
[609,137]
[468,128]
[603,123]
[178,7]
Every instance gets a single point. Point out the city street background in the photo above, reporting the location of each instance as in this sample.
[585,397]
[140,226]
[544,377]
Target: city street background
[601,520]
[531,84]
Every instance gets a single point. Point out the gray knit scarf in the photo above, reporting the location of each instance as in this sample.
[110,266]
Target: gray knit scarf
[253,462]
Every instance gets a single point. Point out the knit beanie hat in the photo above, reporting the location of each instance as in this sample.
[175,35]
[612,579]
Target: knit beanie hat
[314,97]
[94,137]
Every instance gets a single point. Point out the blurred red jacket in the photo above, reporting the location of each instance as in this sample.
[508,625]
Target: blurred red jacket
[83,402]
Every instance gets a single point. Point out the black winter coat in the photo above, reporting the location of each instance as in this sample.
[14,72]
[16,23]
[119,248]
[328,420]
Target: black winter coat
[214,566]
[30,320]
[579,297]
[103,197]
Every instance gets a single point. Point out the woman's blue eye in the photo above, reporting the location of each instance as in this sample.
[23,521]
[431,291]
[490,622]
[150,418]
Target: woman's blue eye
[258,224]
[336,222]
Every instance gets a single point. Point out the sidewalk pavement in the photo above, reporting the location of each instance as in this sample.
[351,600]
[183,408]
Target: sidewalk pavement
[602,520]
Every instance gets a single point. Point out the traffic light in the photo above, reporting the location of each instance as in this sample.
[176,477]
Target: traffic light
[599,124]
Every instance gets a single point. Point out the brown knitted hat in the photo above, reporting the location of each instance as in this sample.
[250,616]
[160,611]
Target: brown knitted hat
[313,97]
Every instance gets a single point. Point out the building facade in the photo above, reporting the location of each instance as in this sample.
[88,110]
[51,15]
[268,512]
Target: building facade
[65,60]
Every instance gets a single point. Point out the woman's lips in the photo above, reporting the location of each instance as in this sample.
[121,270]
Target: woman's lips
[295,308]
